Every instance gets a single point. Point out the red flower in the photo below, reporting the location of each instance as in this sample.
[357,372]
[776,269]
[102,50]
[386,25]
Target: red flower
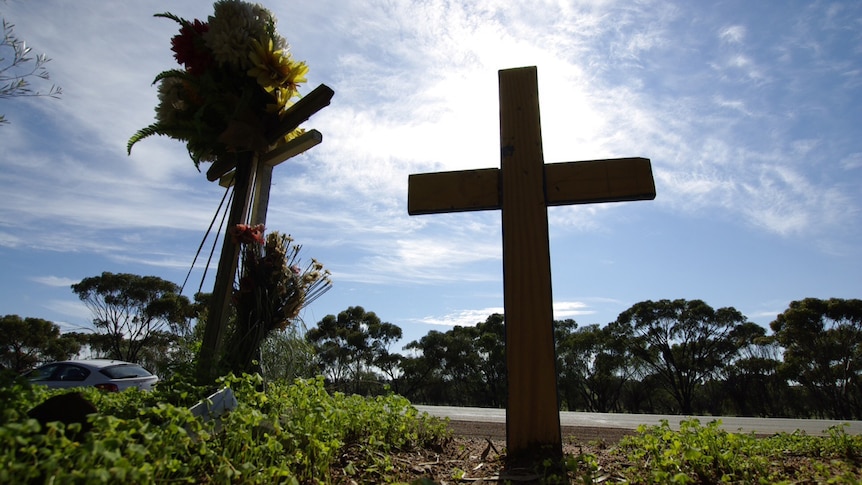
[245,234]
[189,49]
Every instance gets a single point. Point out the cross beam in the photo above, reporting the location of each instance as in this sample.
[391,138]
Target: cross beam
[567,183]
[523,188]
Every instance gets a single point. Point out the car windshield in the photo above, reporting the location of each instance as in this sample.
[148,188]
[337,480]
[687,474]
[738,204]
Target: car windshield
[42,373]
[57,372]
[125,371]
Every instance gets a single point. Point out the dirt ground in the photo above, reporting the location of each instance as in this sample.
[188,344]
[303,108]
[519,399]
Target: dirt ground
[474,455]
[570,433]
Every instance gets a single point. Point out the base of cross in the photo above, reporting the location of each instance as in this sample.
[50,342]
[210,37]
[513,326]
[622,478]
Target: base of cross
[522,189]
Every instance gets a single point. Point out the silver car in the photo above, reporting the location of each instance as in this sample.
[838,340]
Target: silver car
[108,375]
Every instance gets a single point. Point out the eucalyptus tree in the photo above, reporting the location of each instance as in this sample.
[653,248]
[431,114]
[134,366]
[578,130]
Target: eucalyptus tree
[822,341]
[452,362]
[752,385]
[423,379]
[491,347]
[683,343]
[594,364]
[131,311]
[351,344]
[26,342]
[465,366]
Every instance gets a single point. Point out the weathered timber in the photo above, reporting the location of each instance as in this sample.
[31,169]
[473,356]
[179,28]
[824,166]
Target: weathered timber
[228,261]
[294,116]
[523,188]
[566,183]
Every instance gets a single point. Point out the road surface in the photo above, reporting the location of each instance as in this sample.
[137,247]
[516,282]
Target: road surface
[766,426]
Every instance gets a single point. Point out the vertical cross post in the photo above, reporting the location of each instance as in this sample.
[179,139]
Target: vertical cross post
[522,188]
[532,412]
[222,288]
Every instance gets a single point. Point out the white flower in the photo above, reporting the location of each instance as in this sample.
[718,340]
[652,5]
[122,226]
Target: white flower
[170,101]
[233,27]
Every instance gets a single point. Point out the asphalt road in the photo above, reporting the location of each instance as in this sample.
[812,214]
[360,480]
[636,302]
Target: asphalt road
[632,421]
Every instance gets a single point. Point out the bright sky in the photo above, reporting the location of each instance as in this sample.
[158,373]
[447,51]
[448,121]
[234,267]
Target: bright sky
[749,111]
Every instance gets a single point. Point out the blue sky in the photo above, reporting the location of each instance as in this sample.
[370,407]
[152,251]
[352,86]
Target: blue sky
[749,111]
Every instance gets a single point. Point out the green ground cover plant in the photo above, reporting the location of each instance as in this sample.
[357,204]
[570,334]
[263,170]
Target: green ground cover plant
[297,432]
[708,454]
[291,433]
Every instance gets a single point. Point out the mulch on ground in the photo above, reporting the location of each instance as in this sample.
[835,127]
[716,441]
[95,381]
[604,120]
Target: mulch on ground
[475,454]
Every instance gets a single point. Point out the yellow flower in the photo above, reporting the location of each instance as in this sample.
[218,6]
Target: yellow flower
[270,66]
[281,100]
[288,89]
[295,77]
[293,134]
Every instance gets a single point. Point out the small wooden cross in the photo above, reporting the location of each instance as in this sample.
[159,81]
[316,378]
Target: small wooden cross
[523,188]
[251,177]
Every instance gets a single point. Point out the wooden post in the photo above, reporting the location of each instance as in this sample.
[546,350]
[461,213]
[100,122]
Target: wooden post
[532,413]
[228,261]
[263,182]
[522,189]
[263,178]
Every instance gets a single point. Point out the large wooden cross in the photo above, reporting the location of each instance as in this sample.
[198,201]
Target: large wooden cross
[251,176]
[522,188]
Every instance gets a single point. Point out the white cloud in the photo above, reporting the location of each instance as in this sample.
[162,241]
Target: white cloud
[732,34]
[10,240]
[738,105]
[852,161]
[384,123]
[569,309]
[74,309]
[470,317]
[765,314]
[420,260]
[464,318]
[57,281]
[785,202]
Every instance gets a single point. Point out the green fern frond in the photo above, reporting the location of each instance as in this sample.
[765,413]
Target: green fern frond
[154,129]
[180,73]
[173,17]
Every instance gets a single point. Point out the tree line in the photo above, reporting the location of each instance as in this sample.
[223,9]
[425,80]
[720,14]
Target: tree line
[666,356]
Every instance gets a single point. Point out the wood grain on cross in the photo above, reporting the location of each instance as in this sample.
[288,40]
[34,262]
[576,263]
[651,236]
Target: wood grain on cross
[251,178]
[523,187]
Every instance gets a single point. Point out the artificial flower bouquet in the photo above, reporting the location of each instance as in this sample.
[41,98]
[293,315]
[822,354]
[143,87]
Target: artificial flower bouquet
[237,79]
[273,286]
[271,289]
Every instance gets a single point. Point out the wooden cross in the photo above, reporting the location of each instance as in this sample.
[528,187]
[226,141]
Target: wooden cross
[251,178]
[522,188]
